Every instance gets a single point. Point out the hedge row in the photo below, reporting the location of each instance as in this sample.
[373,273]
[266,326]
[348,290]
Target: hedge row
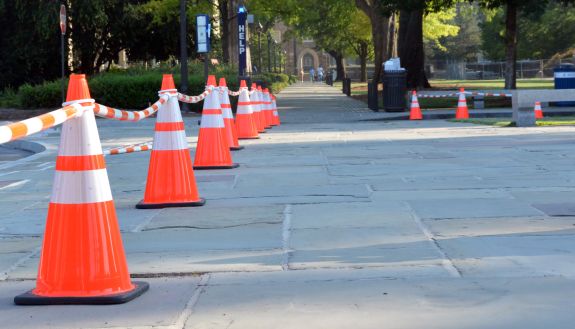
[130,91]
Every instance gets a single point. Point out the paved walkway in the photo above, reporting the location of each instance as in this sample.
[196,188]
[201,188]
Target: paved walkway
[331,221]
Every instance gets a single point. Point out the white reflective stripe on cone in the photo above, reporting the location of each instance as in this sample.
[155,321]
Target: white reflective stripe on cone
[212,121]
[227,113]
[172,111]
[170,140]
[71,132]
[75,187]
[244,110]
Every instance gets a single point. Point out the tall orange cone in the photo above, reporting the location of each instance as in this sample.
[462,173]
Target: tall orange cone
[538,111]
[171,181]
[257,107]
[462,110]
[245,121]
[82,259]
[276,116]
[213,150]
[415,113]
[269,111]
[231,132]
[263,108]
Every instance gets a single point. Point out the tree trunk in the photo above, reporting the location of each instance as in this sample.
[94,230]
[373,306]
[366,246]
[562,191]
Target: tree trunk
[392,39]
[225,29]
[511,45]
[411,49]
[379,32]
[363,53]
[339,66]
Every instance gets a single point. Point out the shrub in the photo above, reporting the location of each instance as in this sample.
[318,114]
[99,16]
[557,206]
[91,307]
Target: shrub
[135,88]
[45,95]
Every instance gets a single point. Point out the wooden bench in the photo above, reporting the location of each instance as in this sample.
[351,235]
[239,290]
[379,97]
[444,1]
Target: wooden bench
[524,102]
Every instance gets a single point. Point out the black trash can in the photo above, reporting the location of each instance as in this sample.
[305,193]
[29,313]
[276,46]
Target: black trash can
[565,79]
[347,86]
[394,91]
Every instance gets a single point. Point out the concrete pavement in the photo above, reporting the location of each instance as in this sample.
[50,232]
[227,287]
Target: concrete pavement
[333,220]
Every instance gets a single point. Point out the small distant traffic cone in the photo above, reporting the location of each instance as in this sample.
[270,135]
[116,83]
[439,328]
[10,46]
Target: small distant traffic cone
[462,110]
[538,111]
[415,113]
[257,107]
[82,259]
[171,181]
[228,116]
[245,120]
[213,150]
[269,112]
[276,116]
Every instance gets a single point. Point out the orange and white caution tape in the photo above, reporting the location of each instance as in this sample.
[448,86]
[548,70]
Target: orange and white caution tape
[438,96]
[488,94]
[122,115]
[129,149]
[42,122]
[194,99]
[233,93]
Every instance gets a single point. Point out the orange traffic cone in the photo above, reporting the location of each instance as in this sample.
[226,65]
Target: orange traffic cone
[213,150]
[538,111]
[276,116]
[228,116]
[269,112]
[257,107]
[171,181]
[263,108]
[245,120]
[415,113]
[82,260]
[462,110]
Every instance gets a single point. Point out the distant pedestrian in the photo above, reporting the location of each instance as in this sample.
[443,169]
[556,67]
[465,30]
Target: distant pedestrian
[320,73]
[311,74]
[302,74]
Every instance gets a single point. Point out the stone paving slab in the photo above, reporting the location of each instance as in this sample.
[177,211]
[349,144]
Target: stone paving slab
[379,302]
[165,305]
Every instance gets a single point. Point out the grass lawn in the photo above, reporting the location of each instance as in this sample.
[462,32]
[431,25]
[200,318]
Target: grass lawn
[499,122]
[492,84]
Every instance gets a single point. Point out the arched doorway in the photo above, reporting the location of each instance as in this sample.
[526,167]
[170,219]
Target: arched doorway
[307,59]
[307,62]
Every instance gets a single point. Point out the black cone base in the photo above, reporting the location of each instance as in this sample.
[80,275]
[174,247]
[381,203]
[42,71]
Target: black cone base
[142,205]
[258,137]
[236,148]
[30,298]
[235,165]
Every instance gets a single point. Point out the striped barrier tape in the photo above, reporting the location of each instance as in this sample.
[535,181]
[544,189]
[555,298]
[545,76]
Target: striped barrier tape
[438,96]
[233,93]
[194,99]
[40,123]
[123,115]
[487,94]
[129,149]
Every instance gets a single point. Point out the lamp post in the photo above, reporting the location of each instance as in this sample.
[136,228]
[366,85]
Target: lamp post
[269,52]
[183,52]
[274,52]
[63,48]
[260,67]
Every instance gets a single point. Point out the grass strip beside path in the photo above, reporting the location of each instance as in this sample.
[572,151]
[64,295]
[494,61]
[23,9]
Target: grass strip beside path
[498,122]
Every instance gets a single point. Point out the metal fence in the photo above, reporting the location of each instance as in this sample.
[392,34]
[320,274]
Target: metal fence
[526,69]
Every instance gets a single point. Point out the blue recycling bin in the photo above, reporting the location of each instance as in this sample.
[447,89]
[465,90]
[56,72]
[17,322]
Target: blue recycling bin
[565,79]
